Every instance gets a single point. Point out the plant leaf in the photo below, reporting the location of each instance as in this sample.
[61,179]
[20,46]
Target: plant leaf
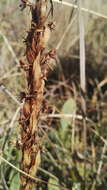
[69,107]
[53,181]
[15,184]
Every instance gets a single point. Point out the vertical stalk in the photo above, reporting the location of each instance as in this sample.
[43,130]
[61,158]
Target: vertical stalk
[83,82]
[36,69]
[82,49]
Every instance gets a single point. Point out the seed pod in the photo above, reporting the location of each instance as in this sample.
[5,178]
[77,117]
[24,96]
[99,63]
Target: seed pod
[45,35]
[26,109]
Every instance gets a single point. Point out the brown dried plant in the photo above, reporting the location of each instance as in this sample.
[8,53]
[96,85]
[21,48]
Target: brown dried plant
[36,67]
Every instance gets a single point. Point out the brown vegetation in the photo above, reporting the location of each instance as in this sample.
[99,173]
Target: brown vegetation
[36,68]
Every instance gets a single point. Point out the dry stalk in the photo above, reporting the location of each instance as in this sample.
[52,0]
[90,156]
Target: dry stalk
[36,68]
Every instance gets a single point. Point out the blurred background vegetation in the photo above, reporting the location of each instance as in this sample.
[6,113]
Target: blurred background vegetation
[63,145]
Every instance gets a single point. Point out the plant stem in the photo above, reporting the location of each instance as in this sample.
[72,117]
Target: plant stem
[36,41]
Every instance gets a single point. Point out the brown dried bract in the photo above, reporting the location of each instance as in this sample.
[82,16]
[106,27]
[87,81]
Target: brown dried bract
[37,65]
